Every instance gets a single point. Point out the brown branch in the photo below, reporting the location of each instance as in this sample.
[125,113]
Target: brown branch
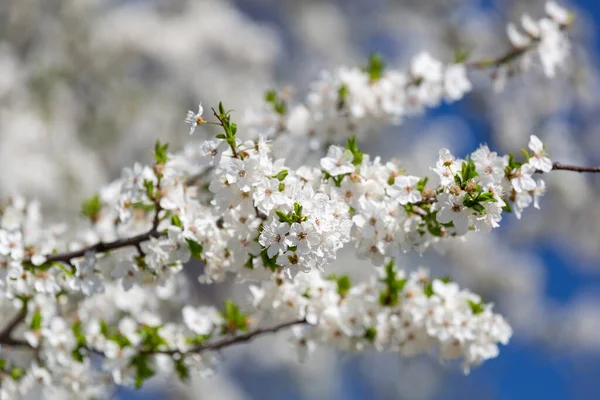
[226,342]
[563,167]
[102,247]
[509,56]
[216,345]
[7,331]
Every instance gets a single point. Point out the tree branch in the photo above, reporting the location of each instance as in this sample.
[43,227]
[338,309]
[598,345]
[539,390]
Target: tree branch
[226,342]
[563,167]
[102,247]
[5,334]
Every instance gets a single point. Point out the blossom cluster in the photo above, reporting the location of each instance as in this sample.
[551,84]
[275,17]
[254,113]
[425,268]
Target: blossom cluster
[545,37]
[354,101]
[408,313]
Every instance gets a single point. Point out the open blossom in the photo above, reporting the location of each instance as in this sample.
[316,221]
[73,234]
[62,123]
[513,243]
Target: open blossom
[489,166]
[517,39]
[453,210]
[338,161]
[201,320]
[523,178]
[11,244]
[446,167]
[554,47]
[267,194]
[195,118]
[429,74]
[303,236]
[539,159]
[273,237]
[557,13]
[456,83]
[405,189]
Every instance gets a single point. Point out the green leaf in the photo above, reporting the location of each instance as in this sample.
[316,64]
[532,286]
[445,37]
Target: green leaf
[104,328]
[371,334]
[390,296]
[234,319]
[468,171]
[278,103]
[195,249]
[507,207]
[149,186]
[283,217]
[17,373]
[91,208]
[460,56]
[198,339]
[142,369]
[182,370]
[421,184]
[270,96]
[353,147]
[476,308]
[176,221]
[342,96]
[160,152]
[375,66]
[36,321]
[281,175]
[78,333]
[343,285]
[486,196]
[428,289]
[270,263]
[151,341]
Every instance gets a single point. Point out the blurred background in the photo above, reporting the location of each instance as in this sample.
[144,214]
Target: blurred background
[87,86]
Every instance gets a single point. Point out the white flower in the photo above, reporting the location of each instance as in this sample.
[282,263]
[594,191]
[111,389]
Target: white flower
[338,161]
[517,39]
[304,236]
[201,320]
[427,67]
[453,210]
[273,237]
[456,83]
[530,26]
[11,244]
[540,159]
[489,166]
[195,119]
[267,196]
[554,47]
[211,151]
[557,13]
[522,178]
[405,189]
[446,167]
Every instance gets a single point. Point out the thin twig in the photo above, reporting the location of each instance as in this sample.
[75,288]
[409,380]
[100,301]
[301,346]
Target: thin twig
[226,342]
[102,247]
[563,167]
